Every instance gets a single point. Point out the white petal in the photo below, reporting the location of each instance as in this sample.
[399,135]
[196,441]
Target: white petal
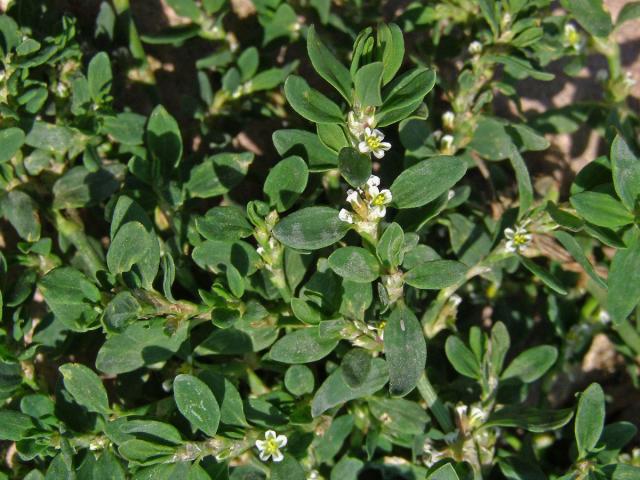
[387,196]
[377,212]
[281,440]
[363,147]
[373,191]
[510,247]
[368,132]
[264,456]
[270,435]
[379,153]
[378,134]
[385,145]
[509,233]
[278,456]
[345,216]
[260,444]
[373,181]
[352,197]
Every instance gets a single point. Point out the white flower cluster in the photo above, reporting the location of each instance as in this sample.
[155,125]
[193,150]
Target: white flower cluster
[519,239]
[271,445]
[369,205]
[368,139]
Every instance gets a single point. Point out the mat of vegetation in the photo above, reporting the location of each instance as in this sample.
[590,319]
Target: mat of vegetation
[306,240]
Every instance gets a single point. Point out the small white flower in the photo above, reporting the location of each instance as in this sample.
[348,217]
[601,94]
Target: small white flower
[346,216]
[455,299]
[379,202]
[271,445]
[373,143]
[260,251]
[602,75]
[448,120]
[451,194]
[446,144]
[475,48]
[517,240]
[477,416]
[604,316]
[629,81]
[506,20]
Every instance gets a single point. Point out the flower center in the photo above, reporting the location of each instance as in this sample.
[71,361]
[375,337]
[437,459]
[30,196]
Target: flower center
[379,200]
[520,239]
[373,142]
[271,446]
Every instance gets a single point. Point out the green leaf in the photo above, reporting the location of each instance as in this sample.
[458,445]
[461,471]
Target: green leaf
[217,255]
[531,364]
[445,472]
[519,67]
[529,418]
[85,387]
[286,182]
[500,343]
[307,145]
[602,209]
[525,189]
[218,174]
[287,469]
[574,248]
[624,281]
[311,228]
[11,140]
[390,40]
[302,346]
[224,223]
[79,187]
[121,311]
[309,103]
[404,95]
[390,248]
[142,343]
[405,350]
[335,391]
[14,426]
[462,359]
[70,296]
[121,256]
[248,62]
[625,166]
[547,278]
[355,167]
[197,403]
[356,365]
[630,11]
[368,81]
[355,264]
[164,142]
[228,398]
[591,15]
[100,77]
[327,66]
[299,380]
[426,181]
[589,419]
[21,211]
[436,274]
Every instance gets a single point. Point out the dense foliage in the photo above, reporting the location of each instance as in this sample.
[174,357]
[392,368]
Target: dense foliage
[325,256]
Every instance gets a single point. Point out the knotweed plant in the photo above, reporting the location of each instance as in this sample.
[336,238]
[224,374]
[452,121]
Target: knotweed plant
[241,240]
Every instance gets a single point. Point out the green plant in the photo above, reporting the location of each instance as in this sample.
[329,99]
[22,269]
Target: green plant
[384,293]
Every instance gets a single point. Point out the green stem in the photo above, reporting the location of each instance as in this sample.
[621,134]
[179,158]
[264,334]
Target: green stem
[435,404]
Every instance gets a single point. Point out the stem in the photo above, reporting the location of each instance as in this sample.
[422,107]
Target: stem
[435,404]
